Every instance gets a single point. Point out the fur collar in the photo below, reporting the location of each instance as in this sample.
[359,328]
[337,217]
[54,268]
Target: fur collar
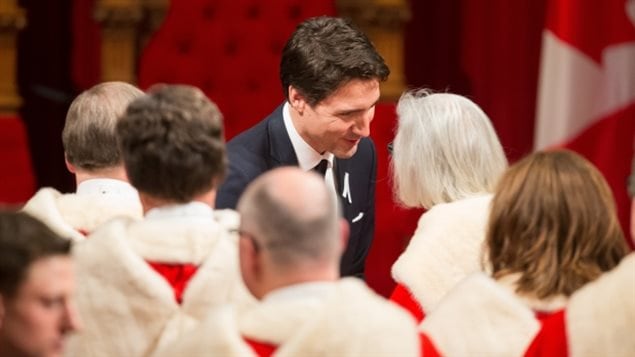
[135,305]
[552,304]
[479,318]
[445,248]
[216,336]
[66,214]
[600,317]
[352,320]
[181,239]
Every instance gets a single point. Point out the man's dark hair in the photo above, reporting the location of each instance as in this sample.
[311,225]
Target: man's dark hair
[172,143]
[23,240]
[325,52]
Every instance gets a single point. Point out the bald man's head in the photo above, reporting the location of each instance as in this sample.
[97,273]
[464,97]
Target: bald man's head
[292,214]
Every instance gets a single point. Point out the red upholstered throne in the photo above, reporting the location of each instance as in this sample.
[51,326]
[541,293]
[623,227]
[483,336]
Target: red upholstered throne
[17,183]
[231,50]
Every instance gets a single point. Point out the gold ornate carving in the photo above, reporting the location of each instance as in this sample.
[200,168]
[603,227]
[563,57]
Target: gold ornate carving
[126,26]
[12,20]
[383,21]
[119,20]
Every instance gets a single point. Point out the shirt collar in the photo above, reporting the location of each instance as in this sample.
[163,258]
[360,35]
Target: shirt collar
[314,289]
[106,186]
[308,158]
[186,210]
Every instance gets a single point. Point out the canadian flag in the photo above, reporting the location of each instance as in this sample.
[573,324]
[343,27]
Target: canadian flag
[586,99]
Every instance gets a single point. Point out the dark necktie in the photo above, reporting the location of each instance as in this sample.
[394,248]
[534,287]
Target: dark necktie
[321,167]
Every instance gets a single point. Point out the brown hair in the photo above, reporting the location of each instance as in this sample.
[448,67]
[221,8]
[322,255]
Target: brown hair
[553,221]
[89,131]
[172,143]
[23,240]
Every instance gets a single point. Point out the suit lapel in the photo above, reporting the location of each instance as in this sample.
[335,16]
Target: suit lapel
[281,150]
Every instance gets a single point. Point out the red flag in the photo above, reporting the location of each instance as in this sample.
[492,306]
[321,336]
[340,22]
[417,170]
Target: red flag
[586,98]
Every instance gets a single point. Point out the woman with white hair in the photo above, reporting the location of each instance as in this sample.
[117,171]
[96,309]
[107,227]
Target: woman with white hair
[447,159]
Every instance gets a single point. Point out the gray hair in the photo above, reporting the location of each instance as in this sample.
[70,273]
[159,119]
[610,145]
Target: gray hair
[89,137]
[445,149]
[292,214]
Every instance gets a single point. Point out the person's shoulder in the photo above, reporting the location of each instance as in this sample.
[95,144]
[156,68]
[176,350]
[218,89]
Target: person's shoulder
[468,206]
[257,132]
[362,312]
[366,146]
[352,291]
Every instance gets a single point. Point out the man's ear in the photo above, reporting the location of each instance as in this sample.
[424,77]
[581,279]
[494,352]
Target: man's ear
[297,100]
[70,167]
[250,265]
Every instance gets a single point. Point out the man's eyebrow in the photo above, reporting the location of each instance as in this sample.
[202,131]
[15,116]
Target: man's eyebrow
[351,111]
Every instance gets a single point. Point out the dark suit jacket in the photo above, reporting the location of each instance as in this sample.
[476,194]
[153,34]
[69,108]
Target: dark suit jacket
[267,145]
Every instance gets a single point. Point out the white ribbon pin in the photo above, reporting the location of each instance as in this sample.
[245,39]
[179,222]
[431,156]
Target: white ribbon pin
[346,193]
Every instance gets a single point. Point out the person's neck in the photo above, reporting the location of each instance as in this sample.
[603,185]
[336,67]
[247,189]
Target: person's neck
[115,173]
[149,202]
[290,277]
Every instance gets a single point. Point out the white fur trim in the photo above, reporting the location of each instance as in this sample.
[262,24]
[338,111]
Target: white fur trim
[128,308]
[178,240]
[216,336]
[600,318]
[445,248]
[552,304]
[228,218]
[65,214]
[351,321]
[479,318]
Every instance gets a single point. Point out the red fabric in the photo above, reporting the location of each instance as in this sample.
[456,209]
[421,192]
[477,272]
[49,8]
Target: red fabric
[427,347]
[487,50]
[578,25]
[607,140]
[177,275]
[552,338]
[229,49]
[262,349]
[403,297]
[86,54]
[17,183]
[608,144]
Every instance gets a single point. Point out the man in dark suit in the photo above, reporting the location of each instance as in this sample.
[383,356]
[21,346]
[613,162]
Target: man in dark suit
[330,74]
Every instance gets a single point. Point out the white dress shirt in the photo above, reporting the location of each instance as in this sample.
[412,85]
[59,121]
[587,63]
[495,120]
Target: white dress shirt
[308,158]
[106,186]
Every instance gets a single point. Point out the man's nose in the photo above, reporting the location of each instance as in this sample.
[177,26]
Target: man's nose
[362,124]
[72,320]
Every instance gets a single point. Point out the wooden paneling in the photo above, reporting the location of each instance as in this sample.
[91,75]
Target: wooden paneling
[12,19]
[383,21]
